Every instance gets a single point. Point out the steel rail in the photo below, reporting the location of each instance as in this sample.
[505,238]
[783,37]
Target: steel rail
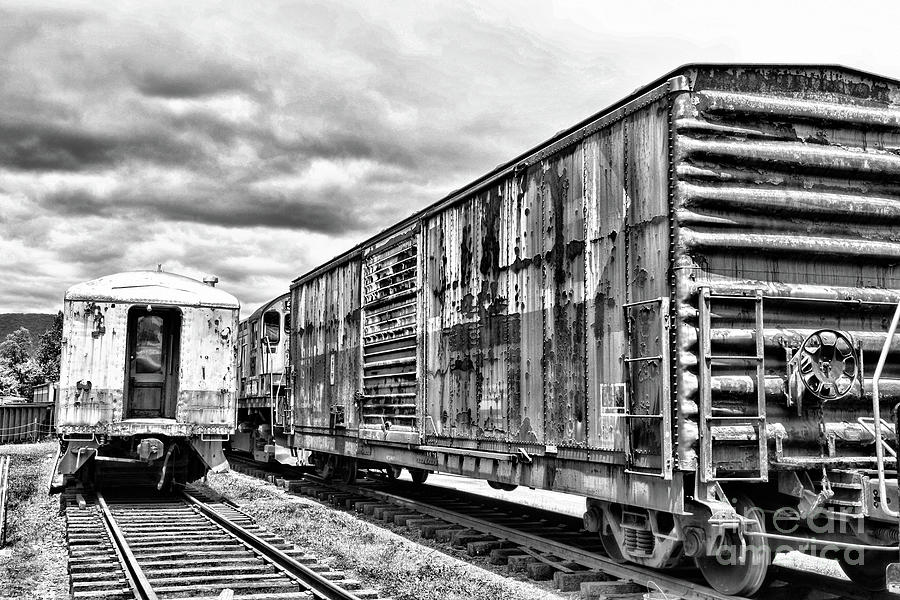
[836,587]
[319,586]
[137,578]
[840,588]
[635,573]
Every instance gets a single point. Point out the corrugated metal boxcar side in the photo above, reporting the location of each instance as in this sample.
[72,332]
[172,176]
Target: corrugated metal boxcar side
[786,187]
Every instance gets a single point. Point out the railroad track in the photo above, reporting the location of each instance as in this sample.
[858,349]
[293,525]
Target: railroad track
[542,544]
[148,547]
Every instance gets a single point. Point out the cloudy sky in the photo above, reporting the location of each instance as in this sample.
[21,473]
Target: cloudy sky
[254,141]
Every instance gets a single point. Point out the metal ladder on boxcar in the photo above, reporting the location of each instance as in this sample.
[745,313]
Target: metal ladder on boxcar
[707,420]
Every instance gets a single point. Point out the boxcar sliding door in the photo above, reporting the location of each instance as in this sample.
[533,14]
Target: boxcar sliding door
[647,286]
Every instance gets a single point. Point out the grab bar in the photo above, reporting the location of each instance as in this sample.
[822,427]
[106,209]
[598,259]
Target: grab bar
[876,415]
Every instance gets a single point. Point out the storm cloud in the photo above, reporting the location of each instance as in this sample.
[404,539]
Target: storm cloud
[255,141]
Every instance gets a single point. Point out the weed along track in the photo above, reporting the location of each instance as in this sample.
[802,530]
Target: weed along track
[537,543]
[148,547]
[541,544]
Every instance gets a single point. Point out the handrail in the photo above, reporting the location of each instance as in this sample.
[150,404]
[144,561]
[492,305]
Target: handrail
[870,428]
[876,415]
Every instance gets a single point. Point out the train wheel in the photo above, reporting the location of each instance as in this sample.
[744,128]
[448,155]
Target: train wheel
[348,474]
[503,487]
[608,539]
[732,574]
[324,464]
[393,472]
[418,475]
[869,572]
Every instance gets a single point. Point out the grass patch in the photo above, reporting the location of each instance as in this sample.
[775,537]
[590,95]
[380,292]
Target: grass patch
[34,562]
[400,568]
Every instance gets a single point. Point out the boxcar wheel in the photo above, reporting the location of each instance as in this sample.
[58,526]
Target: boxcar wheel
[324,464]
[348,473]
[611,547]
[724,570]
[610,543]
[418,475]
[870,574]
[393,472]
[503,487]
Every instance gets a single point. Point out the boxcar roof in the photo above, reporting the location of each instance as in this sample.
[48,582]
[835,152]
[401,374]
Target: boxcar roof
[510,165]
[152,287]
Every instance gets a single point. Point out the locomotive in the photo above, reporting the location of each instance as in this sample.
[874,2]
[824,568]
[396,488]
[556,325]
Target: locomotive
[682,308]
[263,391]
[147,379]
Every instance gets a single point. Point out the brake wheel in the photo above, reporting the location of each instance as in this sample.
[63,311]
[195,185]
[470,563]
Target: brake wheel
[827,364]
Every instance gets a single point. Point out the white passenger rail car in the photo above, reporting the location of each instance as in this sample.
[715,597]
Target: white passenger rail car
[147,378]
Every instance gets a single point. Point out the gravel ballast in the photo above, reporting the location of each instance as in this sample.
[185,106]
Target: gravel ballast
[34,562]
[400,568]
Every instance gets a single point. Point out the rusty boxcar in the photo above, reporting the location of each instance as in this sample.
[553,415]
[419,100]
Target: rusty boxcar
[678,308]
[147,376]
[263,393]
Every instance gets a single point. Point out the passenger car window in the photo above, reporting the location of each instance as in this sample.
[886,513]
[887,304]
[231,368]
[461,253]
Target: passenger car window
[148,347]
[272,326]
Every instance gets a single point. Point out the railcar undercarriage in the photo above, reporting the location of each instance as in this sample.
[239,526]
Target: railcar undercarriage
[334,466]
[841,504]
[734,549]
[145,460]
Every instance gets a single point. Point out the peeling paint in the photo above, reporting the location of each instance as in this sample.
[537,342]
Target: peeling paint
[95,350]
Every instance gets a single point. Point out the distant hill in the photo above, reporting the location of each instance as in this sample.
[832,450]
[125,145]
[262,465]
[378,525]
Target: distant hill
[36,323]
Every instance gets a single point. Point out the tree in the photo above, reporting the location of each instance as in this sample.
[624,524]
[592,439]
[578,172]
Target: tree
[18,369]
[47,353]
[9,385]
